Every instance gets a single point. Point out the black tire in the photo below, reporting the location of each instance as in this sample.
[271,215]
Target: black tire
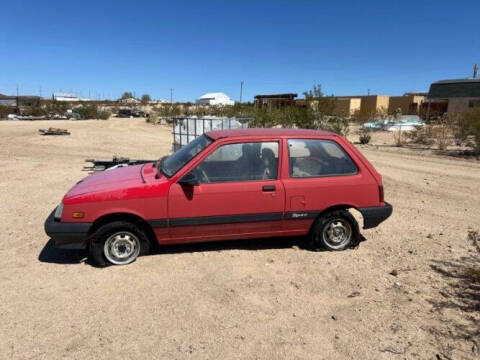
[97,243]
[319,240]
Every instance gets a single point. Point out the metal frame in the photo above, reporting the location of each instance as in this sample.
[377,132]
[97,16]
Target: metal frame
[205,120]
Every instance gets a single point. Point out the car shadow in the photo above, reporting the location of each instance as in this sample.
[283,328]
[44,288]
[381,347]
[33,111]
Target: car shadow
[247,244]
[50,254]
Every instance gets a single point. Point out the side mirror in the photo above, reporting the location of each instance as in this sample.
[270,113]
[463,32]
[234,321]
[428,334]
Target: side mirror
[190,180]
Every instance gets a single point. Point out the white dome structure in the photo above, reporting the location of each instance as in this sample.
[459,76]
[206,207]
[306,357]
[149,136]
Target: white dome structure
[215,99]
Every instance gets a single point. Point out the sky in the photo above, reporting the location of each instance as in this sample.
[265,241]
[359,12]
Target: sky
[100,49]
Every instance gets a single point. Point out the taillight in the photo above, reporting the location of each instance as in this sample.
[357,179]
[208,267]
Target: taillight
[380,193]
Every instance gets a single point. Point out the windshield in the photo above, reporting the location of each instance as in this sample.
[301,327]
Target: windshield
[181,157]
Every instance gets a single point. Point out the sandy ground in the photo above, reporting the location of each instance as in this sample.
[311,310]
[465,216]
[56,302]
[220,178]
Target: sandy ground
[259,299]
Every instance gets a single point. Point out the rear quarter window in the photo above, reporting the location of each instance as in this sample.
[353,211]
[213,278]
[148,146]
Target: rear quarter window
[318,158]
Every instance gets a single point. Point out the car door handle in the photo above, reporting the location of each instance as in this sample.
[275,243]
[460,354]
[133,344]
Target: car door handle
[268,188]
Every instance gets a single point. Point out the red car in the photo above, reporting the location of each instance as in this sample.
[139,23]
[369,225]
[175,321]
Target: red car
[229,184]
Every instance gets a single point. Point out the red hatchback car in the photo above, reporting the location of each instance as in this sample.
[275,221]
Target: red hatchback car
[229,184]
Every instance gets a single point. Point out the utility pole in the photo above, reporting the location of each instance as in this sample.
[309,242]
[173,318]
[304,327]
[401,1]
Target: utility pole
[171,96]
[475,71]
[368,91]
[241,91]
[40,91]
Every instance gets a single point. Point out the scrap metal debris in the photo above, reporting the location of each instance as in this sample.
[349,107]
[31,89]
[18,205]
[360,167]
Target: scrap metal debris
[54,131]
[117,161]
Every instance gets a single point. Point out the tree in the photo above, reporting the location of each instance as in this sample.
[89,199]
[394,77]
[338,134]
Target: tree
[315,93]
[146,99]
[127,95]
[320,104]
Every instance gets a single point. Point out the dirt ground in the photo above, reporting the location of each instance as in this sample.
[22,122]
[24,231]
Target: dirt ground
[256,299]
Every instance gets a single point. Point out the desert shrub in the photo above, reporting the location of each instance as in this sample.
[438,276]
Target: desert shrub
[90,111]
[87,111]
[153,118]
[365,136]
[442,135]
[399,137]
[33,111]
[5,110]
[115,109]
[145,99]
[468,129]
[103,115]
[336,124]
[127,95]
[315,114]
[421,135]
[169,110]
[56,108]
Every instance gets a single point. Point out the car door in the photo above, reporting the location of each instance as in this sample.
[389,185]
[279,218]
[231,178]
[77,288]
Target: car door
[239,194]
[320,174]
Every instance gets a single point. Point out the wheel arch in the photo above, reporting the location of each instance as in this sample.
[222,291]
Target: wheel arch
[357,215]
[124,216]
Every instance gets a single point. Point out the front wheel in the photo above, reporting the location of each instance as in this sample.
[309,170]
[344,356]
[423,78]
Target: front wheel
[118,243]
[337,230]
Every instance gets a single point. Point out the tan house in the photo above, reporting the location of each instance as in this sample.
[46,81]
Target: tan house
[459,94]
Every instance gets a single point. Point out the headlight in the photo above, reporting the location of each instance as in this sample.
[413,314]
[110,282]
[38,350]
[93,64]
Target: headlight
[58,212]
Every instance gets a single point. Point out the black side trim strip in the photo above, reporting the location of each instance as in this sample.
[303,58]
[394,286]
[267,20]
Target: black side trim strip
[372,217]
[299,215]
[227,219]
[159,223]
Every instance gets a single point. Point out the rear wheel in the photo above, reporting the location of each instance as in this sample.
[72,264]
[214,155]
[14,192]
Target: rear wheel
[336,230]
[118,243]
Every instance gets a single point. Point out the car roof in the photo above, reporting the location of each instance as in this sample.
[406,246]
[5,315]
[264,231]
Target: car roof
[266,132]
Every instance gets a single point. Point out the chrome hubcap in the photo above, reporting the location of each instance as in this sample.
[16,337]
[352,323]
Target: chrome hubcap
[337,233]
[121,248]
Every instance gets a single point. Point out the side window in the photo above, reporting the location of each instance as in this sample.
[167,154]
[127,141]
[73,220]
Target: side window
[240,162]
[316,158]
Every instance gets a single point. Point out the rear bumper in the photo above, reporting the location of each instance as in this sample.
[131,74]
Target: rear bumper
[67,235]
[373,216]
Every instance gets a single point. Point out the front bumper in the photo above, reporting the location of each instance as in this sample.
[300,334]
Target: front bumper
[373,216]
[67,235]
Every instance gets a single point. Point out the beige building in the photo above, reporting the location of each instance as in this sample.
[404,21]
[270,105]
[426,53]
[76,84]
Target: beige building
[348,106]
[369,104]
[409,104]
[372,104]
